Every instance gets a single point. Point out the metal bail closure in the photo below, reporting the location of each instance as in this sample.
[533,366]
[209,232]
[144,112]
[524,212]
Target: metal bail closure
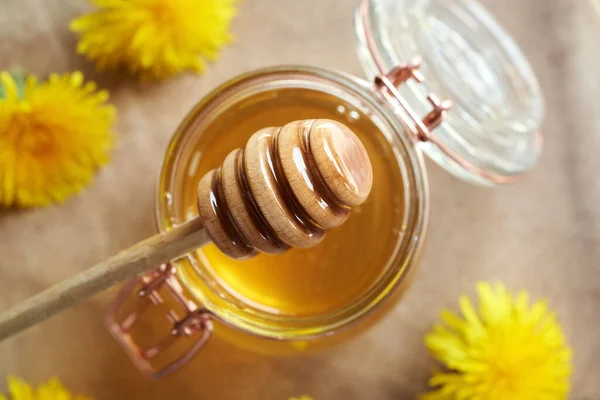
[191,326]
[421,128]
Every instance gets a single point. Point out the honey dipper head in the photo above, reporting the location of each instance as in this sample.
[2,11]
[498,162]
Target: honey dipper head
[342,161]
[285,188]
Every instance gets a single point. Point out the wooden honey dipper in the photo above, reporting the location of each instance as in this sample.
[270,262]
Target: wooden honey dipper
[284,189]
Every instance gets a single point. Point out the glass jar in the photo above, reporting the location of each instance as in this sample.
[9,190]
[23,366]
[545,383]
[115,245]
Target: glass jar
[308,299]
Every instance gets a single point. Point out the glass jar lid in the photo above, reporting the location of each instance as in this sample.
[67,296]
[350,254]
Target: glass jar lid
[491,133]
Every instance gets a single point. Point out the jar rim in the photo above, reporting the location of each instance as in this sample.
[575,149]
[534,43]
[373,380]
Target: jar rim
[416,204]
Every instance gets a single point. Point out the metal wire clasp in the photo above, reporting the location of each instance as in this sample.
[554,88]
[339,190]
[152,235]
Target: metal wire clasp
[387,86]
[193,326]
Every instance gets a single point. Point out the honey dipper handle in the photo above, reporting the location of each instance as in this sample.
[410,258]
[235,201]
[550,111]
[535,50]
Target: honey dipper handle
[125,265]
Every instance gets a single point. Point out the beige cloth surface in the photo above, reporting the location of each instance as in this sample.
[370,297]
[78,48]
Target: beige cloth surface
[541,235]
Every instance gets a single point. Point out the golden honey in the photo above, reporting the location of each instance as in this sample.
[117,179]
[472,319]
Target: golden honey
[351,258]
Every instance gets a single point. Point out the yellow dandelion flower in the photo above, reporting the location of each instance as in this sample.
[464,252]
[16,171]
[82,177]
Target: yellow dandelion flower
[510,350]
[53,135]
[155,38]
[303,397]
[52,390]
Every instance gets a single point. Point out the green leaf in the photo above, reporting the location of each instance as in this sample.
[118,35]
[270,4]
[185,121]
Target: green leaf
[19,76]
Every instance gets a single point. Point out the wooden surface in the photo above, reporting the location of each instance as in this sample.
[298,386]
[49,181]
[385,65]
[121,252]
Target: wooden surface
[542,234]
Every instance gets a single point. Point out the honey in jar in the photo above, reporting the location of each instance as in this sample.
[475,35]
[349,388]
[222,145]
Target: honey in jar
[346,264]
[303,294]
[310,298]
